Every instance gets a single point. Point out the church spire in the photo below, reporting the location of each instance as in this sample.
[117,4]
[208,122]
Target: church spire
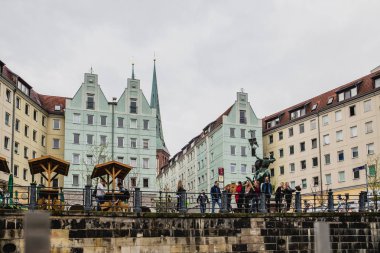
[155,103]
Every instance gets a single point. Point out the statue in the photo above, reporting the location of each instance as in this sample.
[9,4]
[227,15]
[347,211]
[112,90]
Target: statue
[261,165]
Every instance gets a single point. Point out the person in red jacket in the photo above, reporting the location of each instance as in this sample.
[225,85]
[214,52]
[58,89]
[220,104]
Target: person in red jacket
[238,196]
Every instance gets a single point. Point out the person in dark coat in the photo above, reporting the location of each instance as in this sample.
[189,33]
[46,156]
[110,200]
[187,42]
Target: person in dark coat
[288,193]
[180,195]
[278,196]
[248,195]
[266,188]
[202,200]
[216,196]
[256,197]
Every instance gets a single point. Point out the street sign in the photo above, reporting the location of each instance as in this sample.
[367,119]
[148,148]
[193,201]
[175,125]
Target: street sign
[221,178]
[359,168]
[220,171]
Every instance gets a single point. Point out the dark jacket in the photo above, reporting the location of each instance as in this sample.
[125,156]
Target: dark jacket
[288,193]
[279,194]
[202,199]
[215,192]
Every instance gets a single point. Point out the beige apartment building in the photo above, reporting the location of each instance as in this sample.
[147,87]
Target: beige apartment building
[32,126]
[325,142]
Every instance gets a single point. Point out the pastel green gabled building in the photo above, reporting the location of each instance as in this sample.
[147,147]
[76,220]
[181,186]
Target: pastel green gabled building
[223,143]
[125,130]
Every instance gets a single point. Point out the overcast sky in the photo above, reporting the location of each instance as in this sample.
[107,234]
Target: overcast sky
[279,52]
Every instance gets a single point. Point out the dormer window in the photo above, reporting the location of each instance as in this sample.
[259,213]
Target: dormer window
[377,82]
[57,108]
[331,99]
[298,113]
[348,94]
[273,122]
[314,107]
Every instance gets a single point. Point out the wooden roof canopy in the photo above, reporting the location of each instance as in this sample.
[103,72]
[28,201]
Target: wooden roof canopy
[4,165]
[113,168]
[45,163]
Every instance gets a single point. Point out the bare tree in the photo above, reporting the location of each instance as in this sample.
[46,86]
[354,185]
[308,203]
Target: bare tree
[373,167]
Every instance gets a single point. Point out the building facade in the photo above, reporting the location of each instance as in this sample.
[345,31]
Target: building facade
[97,131]
[222,144]
[324,142]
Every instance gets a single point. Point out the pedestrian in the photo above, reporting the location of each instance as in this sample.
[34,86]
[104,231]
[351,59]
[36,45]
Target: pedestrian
[288,193]
[100,192]
[202,200]
[124,191]
[278,196]
[229,197]
[266,188]
[180,195]
[238,196]
[256,197]
[215,196]
[248,195]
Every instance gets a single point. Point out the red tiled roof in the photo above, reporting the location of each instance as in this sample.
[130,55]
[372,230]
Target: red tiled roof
[49,103]
[365,85]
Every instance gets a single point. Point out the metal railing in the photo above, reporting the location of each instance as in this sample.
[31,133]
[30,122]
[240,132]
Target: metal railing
[137,201]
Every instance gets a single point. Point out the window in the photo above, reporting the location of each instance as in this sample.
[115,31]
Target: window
[232,167]
[34,135]
[370,149]
[292,167]
[26,109]
[26,152]
[55,143]
[145,143]
[303,164]
[120,142]
[26,131]
[25,174]
[325,120]
[232,150]
[356,174]
[76,138]
[339,135]
[243,119]
[17,125]
[314,143]
[18,103]
[90,102]
[355,152]
[354,131]
[6,142]
[8,95]
[298,113]
[35,115]
[315,181]
[17,145]
[76,118]
[313,124]
[133,181]
[242,133]
[270,139]
[120,122]
[56,124]
[43,140]
[327,159]
[57,108]
[338,115]
[315,161]
[145,163]
[326,139]
[368,127]
[133,161]
[133,142]
[341,176]
[34,154]
[273,123]
[7,118]
[377,82]
[243,168]
[347,94]
[331,99]
[352,110]
[293,184]
[146,124]
[232,132]
[90,139]
[243,153]
[103,140]
[340,156]
[89,159]
[304,184]
[75,158]
[272,172]
[328,179]
[282,170]
[133,123]
[280,136]
[145,182]
[120,159]
[281,152]
[291,132]
[102,159]
[15,170]
[75,180]
[133,105]
[291,150]
[302,128]
[103,120]
[367,105]
[314,107]
[44,121]
[302,146]
[90,119]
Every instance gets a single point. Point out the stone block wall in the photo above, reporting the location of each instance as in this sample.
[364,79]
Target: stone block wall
[194,233]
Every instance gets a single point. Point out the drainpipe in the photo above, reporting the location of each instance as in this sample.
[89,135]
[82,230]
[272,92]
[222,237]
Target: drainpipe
[320,154]
[13,127]
[113,126]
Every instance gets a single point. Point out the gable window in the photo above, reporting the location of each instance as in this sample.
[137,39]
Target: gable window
[377,82]
[120,122]
[314,107]
[90,102]
[103,120]
[90,119]
[273,123]
[243,119]
[330,100]
[133,105]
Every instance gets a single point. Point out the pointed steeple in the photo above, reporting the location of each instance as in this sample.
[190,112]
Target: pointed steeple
[155,103]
